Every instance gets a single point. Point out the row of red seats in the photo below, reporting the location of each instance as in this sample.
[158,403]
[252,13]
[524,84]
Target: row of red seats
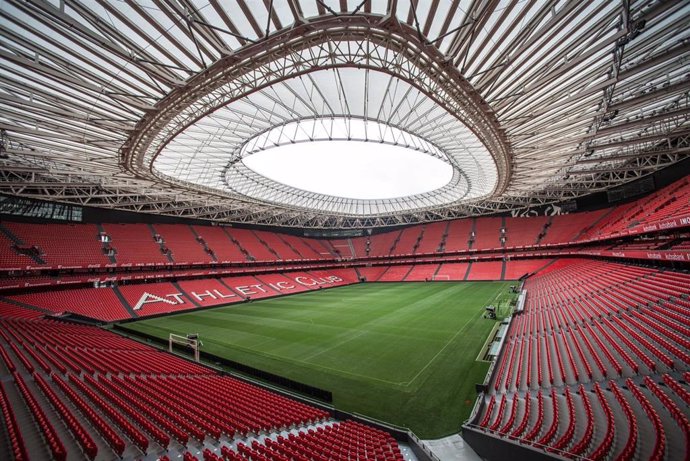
[55,445]
[116,403]
[630,444]
[135,245]
[111,437]
[14,435]
[158,405]
[678,414]
[148,408]
[115,416]
[588,321]
[659,432]
[347,441]
[667,203]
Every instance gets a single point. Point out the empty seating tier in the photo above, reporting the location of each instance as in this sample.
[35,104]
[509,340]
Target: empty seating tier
[598,358]
[121,397]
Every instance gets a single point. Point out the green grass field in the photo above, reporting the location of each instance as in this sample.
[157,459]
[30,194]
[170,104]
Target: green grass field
[405,353]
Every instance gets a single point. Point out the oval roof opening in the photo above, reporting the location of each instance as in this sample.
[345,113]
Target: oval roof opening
[352,169]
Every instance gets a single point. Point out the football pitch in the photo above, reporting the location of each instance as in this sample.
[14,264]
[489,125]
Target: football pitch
[404,353]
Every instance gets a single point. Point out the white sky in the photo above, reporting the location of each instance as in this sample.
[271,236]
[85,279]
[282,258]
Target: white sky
[352,169]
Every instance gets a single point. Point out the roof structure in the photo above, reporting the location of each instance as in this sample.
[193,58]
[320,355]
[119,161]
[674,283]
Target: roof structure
[152,105]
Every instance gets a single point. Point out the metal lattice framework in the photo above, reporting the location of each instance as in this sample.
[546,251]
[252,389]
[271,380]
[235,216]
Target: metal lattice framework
[101,99]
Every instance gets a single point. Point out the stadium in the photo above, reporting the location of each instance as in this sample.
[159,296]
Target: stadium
[348,230]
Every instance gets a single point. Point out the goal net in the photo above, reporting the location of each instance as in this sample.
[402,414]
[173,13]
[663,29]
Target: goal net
[437,278]
[189,341]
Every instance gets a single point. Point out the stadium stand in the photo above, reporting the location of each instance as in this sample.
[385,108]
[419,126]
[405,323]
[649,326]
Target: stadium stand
[11,257]
[183,244]
[134,244]
[422,273]
[251,243]
[99,303]
[119,396]
[372,274]
[275,243]
[382,244]
[283,284]
[593,333]
[452,271]
[432,235]
[518,268]
[408,241]
[486,270]
[458,235]
[566,228]
[224,249]
[55,243]
[49,246]
[344,248]
[209,292]
[666,204]
[395,273]
[144,299]
[307,248]
[487,233]
[524,231]
[155,298]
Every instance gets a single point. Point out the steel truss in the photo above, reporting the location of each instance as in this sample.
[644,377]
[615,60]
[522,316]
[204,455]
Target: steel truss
[586,95]
[333,43]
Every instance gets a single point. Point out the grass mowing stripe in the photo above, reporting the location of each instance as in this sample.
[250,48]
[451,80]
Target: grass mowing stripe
[450,341]
[401,352]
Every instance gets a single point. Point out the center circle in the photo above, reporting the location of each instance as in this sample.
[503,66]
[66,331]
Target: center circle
[352,169]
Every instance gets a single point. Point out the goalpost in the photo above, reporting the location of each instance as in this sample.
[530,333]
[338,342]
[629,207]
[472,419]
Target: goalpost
[191,340]
[436,278]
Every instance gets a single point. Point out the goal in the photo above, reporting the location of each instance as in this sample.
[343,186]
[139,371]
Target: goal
[437,278]
[191,341]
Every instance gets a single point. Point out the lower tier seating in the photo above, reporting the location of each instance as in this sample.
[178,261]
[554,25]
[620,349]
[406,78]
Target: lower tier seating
[596,365]
[141,300]
[119,398]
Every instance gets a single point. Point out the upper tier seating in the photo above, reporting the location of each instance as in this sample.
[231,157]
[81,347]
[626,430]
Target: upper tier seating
[524,231]
[57,243]
[458,235]
[251,243]
[307,248]
[408,241]
[276,243]
[220,242]
[184,246]
[565,228]
[381,244]
[431,238]
[596,348]
[10,258]
[487,233]
[134,244]
[666,204]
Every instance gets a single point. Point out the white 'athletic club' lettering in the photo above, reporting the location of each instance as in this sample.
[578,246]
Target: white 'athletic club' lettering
[148,298]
